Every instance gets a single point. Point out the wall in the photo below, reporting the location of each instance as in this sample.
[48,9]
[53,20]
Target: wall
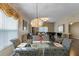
[74,50]
[29,27]
[66,22]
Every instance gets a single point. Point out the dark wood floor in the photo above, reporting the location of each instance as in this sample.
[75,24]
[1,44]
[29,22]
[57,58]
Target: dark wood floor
[74,50]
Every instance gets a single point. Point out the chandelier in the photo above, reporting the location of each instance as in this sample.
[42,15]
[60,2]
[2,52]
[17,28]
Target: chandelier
[38,22]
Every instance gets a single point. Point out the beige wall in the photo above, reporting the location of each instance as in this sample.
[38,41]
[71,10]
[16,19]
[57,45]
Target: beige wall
[29,27]
[66,22]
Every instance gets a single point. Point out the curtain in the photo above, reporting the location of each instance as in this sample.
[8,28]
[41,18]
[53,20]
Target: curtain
[8,30]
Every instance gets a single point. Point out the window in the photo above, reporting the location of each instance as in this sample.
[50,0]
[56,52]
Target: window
[8,29]
[43,29]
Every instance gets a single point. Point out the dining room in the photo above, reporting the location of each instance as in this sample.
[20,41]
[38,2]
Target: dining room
[39,29]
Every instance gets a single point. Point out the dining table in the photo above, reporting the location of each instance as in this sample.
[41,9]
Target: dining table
[54,48]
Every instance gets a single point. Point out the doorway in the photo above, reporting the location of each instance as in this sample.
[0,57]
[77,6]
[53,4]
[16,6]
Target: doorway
[74,30]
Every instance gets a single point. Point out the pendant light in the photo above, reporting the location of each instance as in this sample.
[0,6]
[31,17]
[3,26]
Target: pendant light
[37,22]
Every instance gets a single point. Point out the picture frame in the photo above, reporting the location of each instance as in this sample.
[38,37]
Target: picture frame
[61,28]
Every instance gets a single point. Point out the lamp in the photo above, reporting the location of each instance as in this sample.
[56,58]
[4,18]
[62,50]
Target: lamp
[71,23]
[37,22]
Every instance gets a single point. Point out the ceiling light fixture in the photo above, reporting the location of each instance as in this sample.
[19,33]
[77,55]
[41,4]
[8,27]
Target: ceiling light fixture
[71,23]
[44,19]
[38,22]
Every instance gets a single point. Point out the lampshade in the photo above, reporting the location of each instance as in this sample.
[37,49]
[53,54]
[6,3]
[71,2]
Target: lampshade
[36,22]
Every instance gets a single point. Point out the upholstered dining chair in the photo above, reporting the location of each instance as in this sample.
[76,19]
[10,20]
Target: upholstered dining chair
[66,44]
[15,42]
[51,36]
[54,51]
[27,51]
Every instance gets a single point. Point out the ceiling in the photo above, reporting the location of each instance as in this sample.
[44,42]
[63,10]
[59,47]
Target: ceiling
[54,11]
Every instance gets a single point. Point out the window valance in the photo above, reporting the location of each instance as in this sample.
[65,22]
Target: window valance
[9,11]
